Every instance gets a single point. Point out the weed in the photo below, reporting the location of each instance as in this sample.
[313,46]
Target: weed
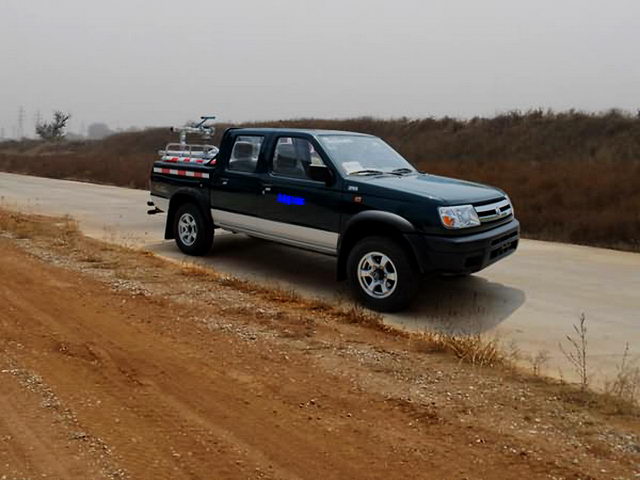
[577,354]
[538,362]
[626,384]
[354,313]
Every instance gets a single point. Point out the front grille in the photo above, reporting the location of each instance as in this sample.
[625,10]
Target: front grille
[492,212]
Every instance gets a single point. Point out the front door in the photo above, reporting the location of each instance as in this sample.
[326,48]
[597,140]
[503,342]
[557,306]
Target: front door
[300,211]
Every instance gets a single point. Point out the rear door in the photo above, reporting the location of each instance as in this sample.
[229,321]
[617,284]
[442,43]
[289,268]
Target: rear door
[300,211]
[237,188]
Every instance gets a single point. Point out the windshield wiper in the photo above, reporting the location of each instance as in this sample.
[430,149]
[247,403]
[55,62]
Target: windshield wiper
[367,172]
[371,171]
[402,170]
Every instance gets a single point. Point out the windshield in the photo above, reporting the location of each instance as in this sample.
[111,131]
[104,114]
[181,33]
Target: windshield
[360,155]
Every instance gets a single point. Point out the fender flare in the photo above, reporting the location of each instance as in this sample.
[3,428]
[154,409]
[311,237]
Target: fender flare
[183,195]
[388,223]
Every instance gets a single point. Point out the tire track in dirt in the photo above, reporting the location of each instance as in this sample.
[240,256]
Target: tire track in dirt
[26,435]
[174,399]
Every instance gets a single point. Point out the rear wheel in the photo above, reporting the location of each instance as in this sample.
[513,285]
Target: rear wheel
[381,274]
[192,230]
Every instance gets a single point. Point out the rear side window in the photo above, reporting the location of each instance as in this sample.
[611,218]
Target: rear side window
[293,156]
[244,156]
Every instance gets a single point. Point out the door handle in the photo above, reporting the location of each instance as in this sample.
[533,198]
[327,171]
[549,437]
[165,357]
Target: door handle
[266,188]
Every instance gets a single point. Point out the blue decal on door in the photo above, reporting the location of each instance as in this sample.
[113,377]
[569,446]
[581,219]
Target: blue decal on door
[289,200]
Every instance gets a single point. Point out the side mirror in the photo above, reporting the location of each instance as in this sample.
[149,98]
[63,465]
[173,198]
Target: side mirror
[321,173]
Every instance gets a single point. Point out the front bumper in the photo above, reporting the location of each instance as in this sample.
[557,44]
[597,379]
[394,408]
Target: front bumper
[465,254]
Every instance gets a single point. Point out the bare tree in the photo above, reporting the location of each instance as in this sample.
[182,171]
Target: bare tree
[53,130]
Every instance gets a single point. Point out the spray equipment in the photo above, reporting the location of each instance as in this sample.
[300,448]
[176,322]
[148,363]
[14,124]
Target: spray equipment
[184,151]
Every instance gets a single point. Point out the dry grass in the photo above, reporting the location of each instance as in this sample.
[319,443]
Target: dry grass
[604,402]
[472,349]
[27,226]
[573,176]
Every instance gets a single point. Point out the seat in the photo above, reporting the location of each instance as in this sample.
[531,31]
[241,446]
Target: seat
[285,162]
[242,157]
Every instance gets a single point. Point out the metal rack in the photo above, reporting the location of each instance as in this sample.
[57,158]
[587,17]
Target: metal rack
[185,152]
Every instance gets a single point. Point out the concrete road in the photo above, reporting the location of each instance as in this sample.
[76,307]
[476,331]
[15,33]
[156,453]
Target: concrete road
[530,300]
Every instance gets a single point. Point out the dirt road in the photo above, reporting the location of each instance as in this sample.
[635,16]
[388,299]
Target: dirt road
[531,299]
[117,365]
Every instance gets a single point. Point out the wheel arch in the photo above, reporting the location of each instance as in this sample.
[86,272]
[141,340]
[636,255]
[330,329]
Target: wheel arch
[380,224]
[180,198]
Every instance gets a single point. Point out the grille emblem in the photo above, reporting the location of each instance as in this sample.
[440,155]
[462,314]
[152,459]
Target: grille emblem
[495,211]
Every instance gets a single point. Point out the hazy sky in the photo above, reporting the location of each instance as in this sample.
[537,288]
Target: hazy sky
[139,62]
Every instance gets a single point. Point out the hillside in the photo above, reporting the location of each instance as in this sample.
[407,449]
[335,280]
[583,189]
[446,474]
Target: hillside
[573,177]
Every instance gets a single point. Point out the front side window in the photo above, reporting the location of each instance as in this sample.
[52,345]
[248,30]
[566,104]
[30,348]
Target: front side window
[293,156]
[244,156]
[364,155]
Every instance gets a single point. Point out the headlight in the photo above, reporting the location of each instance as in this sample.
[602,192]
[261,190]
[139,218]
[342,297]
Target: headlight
[462,216]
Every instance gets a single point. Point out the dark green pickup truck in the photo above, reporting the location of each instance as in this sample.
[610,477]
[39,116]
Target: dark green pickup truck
[338,193]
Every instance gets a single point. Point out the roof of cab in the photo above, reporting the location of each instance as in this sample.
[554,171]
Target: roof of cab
[293,131]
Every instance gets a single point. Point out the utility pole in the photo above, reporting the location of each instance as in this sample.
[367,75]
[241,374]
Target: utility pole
[20,131]
[37,118]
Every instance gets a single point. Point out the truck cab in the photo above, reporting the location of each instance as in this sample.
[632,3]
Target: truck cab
[345,194]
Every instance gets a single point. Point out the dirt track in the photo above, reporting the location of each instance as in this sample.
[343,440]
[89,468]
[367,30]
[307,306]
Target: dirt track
[533,298]
[106,382]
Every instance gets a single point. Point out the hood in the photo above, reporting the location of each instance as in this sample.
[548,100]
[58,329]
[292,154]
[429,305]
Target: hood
[449,191]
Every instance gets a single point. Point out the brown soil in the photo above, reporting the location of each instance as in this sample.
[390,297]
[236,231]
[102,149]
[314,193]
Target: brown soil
[115,364]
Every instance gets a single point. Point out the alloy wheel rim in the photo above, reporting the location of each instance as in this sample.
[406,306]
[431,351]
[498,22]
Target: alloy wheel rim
[377,275]
[187,229]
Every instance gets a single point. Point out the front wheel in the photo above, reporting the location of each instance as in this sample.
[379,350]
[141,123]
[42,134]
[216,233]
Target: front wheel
[192,230]
[381,274]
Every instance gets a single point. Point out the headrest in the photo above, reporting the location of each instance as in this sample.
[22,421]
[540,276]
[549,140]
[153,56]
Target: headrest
[243,151]
[286,156]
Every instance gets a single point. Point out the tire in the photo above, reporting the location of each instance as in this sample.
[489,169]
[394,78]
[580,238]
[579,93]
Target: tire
[394,279]
[192,231]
